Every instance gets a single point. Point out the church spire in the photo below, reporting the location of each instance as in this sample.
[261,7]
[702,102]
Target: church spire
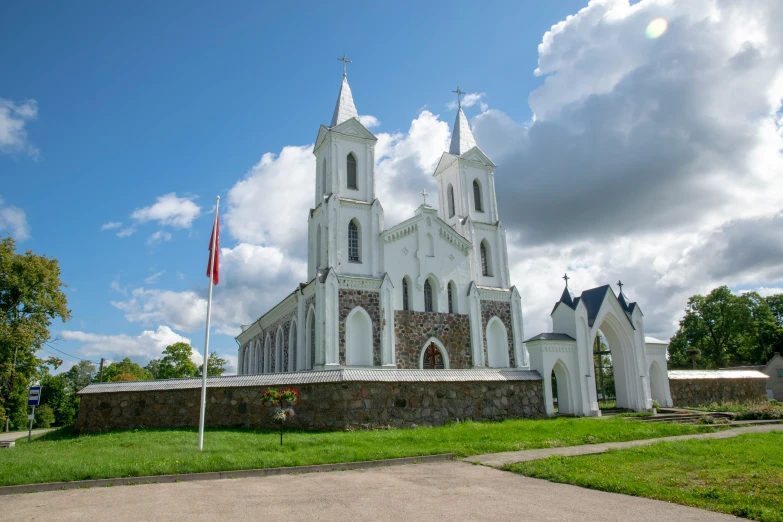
[462,139]
[345,109]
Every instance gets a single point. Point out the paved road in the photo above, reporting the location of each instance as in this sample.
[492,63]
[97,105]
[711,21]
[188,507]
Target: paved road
[509,457]
[437,491]
[14,435]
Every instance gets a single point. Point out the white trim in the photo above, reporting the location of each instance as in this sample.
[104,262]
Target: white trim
[443,352]
[350,350]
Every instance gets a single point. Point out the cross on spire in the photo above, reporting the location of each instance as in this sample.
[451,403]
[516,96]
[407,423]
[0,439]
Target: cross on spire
[345,62]
[565,276]
[424,194]
[459,93]
[620,284]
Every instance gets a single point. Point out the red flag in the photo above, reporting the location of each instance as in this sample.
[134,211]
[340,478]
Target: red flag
[216,237]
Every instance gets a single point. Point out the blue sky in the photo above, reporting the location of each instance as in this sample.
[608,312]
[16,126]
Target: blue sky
[133,102]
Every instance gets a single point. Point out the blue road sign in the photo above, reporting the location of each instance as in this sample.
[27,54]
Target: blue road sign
[34,396]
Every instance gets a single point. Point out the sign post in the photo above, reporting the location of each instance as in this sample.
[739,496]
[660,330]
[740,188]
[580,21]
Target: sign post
[33,399]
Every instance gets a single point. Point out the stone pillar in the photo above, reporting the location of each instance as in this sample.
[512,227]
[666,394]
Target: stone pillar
[476,337]
[520,351]
[388,358]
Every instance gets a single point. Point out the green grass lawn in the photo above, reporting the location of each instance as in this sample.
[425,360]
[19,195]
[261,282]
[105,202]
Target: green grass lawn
[60,456]
[742,476]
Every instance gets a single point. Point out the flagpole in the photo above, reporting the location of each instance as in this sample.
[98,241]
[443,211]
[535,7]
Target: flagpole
[205,364]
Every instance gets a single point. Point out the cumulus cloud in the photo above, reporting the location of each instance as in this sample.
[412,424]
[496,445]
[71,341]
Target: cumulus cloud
[169,209]
[369,121]
[141,348]
[13,220]
[125,232]
[470,100]
[14,117]
[111,225]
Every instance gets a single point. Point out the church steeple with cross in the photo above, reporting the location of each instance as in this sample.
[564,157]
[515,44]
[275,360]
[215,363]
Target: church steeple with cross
[462,139]
[345,109]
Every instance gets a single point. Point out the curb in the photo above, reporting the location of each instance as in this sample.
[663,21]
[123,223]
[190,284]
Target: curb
[218,475]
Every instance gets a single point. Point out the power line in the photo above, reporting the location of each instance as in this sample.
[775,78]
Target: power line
[66,354]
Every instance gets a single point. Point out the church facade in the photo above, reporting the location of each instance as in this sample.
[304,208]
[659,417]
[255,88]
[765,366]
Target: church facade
[432,292]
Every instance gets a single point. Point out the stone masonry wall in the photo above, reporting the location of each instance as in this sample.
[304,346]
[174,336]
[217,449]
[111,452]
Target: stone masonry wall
[703,392]
[323,406]
[371,302]
[503,312]
[412,329]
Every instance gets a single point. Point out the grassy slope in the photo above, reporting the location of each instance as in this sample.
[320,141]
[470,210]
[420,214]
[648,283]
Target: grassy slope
[742,476]
[59,456]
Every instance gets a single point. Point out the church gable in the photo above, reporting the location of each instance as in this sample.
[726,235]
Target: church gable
[354,128]
[477,156]
[428,223]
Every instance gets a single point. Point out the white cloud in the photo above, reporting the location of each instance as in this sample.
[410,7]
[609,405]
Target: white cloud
[111,225]
[159,237]
[14,221]
[169,210]
[154,277]
[469,100]
[766,291]
[125,232]
[141,348]
[369,121]
[13,119]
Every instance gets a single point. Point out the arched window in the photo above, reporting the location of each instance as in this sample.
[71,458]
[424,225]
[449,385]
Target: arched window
[452,297]
[267,354]
[318,248]
[428,296]
[292,351]
[450,195]
[477,196]
[352,172]
[311,322]
[405,302]
[358,338]
[279,351]
[324,179]
[433,358]
[485,264]
[353,242]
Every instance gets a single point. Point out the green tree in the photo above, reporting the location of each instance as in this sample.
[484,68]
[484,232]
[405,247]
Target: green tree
[154,368]
[112,372]
[216,366]
[31,296]
[44,416]
[176,362]
[80,375]
[57,393]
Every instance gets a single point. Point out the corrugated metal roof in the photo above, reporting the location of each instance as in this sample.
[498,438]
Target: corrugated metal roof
[716,374]
[327,376]
[551,337]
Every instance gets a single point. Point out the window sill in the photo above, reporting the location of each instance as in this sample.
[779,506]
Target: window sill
[355,262]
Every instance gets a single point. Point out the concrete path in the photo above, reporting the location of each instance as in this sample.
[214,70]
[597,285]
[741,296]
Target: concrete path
[497,460]
[436,491]
[15,435]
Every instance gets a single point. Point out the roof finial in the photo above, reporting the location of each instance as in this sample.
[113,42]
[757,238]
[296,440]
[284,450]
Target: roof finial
[345,62]
[459,93]
[620,284]
[565,276]
[424,194]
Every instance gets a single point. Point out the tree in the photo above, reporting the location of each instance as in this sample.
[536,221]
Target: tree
[176,362]
[31,296]
[80,375]
[723,329]
[112,372]
[154,368]
[58,393]
[216,366]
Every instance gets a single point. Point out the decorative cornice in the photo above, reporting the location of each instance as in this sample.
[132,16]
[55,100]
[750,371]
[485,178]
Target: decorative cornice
[655,351]
[457,241]
[494,294]
[547,346]
[360,283]
[400,231]
[485,226]
[285,307]
[354,203]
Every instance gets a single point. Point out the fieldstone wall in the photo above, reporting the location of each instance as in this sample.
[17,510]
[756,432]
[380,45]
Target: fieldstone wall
[503,312]
[703,392]
[412,329]
[371,302]
[322,406]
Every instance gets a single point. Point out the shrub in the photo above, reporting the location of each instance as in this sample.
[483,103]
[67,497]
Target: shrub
[44,416]
[656,404]
[767,412]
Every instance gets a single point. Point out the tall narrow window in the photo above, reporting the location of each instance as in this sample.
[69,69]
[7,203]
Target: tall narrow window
[427,296]
[477,195]
[353,242]
[318,248]
[484,260]
[324,179]
[451,298]
[450,195]
[292,351]
[405,305]
[352,172]
[312,339]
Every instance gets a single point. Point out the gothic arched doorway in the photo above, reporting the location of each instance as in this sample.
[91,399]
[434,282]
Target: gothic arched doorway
[433,358]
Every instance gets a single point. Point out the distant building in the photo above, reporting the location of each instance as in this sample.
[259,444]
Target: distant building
[773,368]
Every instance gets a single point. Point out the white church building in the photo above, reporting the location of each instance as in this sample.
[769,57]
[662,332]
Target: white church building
[434,291]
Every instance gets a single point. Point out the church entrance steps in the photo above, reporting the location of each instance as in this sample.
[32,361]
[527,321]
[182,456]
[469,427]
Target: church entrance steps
[217,475]
[497,460]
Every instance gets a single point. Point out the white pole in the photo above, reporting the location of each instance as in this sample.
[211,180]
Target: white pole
[206,338]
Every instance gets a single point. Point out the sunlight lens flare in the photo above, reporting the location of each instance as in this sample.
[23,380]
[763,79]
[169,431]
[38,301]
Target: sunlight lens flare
[656,28]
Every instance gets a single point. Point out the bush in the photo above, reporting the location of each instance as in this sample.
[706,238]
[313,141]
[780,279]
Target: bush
[44,416]
[768,412]
[656,404]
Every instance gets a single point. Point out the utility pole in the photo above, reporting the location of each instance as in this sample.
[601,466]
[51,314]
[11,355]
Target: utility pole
[100,379]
